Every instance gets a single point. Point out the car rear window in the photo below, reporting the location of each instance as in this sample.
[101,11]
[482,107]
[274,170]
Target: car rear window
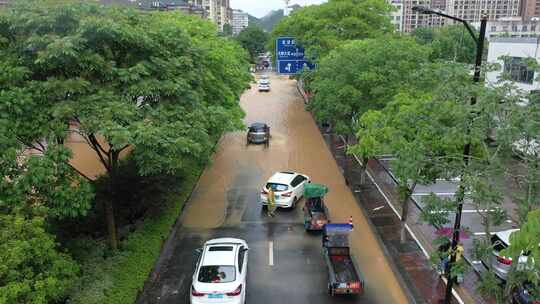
[497,243]
[220,248]
[256,129]
[277,187]
[217,274]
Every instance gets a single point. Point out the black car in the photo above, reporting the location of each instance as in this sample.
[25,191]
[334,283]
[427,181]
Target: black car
[521,295]
[258,133]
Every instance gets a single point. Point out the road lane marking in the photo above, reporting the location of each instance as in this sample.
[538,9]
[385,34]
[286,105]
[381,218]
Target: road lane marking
[436,193]
[481,210]
[271,253]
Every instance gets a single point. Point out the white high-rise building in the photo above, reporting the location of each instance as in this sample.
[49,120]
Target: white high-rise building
[240,21]
[512,53]
[397,15]
[219,11]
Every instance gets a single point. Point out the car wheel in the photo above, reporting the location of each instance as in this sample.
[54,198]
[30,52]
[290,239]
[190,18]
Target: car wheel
[293,205]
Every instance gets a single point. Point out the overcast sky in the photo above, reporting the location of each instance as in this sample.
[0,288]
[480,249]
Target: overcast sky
[259,8]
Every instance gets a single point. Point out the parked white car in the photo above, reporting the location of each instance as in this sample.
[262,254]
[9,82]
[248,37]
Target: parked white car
[220,274]
[288,188]
[502,264]
[526,148]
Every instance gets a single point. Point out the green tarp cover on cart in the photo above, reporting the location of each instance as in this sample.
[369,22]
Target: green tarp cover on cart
[315,190]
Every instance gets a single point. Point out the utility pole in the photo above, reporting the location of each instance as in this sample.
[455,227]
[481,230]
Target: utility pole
[467,149]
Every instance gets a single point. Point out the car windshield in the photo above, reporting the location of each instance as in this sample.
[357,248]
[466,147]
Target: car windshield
[217,274]
[277,187]
[263,82]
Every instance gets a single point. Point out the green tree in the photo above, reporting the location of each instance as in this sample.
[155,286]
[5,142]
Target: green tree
[163,84]
[322,28]
[363,75]
[526,240]
[253,40]
[521,132]
[44,185]
[32,270]
[227,30]
[424,35]
[450,43]
[420,132]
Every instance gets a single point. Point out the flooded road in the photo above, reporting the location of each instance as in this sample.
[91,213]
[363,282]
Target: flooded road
[225,203]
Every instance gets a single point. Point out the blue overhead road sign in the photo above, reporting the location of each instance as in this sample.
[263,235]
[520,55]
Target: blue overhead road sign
[291,67]
[290,57]
[287,49]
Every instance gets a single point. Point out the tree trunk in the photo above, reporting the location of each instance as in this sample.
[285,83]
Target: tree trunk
[109,204]
[487,231]
[111,224]
[404,214]
[405,196]
[363,174]
[346,159]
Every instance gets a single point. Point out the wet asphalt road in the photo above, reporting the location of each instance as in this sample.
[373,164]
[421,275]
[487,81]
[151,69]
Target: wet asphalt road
[225,203]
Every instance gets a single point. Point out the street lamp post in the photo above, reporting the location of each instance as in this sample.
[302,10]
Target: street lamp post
[467,149]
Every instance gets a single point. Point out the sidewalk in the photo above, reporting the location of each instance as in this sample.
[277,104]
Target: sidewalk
[378,198]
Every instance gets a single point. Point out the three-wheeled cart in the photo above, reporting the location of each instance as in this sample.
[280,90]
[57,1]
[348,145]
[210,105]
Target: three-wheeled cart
[315,211]
[343,275]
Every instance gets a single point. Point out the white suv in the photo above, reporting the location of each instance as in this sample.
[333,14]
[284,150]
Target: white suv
[288,188]
[220,275]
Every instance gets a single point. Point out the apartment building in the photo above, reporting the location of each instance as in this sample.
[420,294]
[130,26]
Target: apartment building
[469,10]
[472,10]
[511,54]
[240,21]
[3,3]
[513,27]
[219,11]
[530,9]
[412,20]
[397,15]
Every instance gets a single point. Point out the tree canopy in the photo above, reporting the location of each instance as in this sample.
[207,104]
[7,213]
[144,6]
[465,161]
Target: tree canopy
[450,43]
[161,84]
[253,39]
[321,28]
[363,75]
[32,269]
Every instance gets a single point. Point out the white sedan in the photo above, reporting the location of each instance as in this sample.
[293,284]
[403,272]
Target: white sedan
[288,188]
[263,85]
[220,275]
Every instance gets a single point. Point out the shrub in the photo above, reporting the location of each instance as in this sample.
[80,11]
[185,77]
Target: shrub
[32,269]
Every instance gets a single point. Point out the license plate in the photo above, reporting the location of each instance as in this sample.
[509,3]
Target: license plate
[215,296]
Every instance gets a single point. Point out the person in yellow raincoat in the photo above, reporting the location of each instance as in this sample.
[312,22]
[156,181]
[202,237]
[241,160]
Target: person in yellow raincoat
[271,202]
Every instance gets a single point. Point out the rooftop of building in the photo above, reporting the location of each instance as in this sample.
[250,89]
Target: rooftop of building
[531,40]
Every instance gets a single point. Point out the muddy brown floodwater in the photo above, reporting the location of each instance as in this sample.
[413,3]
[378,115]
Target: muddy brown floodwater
[297,145]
